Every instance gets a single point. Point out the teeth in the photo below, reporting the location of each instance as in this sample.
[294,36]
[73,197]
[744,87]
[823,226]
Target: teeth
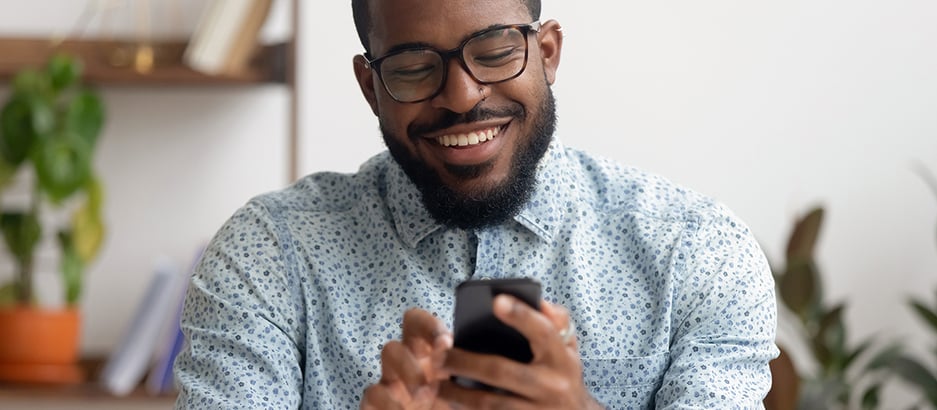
[464,140]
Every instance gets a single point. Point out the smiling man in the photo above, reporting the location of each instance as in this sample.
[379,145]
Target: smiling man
[338,291]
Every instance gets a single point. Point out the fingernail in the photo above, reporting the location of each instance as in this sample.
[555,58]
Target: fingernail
[423,393]
[504,304]
[444,340]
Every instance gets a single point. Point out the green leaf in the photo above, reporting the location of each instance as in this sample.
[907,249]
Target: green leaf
[95,192]
[21,232]
[915,373]
[7,172]
[798,286]
[85,116]
[16,130]
[883,358]
[87,231]
[870,399]
[63,71]
[925,313]
[831,333]
[823,354]
[803,239]
[63,165]
[42,115]
[32,83]
[71,268]
[857,352]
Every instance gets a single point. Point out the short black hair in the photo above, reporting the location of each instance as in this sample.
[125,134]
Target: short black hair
[362,15]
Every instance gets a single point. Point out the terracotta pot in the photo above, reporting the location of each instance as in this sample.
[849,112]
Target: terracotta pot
[39,345]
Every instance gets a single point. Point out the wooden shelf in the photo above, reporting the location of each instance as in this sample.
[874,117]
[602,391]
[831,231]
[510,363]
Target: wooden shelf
[87,395]
[108,63]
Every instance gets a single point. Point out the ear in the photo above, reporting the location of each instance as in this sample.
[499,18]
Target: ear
[551,44]
[365,76]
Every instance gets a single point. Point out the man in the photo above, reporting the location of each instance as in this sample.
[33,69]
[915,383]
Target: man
[338,292]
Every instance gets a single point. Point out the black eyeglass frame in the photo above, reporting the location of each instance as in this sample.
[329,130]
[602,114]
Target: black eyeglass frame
[446,55]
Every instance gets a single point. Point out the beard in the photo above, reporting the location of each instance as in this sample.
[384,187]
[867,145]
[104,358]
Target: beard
[488,205]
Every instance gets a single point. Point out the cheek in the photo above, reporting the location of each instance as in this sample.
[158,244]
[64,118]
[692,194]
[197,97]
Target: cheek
[393,115]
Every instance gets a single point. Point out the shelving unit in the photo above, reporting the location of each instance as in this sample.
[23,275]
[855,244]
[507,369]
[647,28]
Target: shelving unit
[79,396]
[273,65]
[109,63]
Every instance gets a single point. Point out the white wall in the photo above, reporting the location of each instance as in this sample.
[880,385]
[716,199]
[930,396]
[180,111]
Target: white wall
[771,107]
[768,106]
[176,161]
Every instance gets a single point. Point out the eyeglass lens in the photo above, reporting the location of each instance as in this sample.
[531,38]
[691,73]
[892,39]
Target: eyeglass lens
[490,57]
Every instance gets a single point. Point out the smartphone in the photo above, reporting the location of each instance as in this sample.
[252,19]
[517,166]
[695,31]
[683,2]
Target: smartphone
[475,327]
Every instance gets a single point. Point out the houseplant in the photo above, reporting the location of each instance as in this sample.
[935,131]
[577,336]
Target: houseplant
[918,373]
[49,127]
[848,375]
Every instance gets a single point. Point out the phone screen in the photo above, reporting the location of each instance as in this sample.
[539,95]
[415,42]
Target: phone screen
[476,328]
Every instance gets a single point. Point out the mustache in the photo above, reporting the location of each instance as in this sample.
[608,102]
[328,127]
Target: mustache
[478,113]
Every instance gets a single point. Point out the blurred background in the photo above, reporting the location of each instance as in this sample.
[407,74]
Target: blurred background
[771,108]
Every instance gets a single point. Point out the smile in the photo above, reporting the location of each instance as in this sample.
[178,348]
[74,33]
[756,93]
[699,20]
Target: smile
[468,139]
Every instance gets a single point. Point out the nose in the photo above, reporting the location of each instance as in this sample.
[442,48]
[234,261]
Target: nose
[461,92]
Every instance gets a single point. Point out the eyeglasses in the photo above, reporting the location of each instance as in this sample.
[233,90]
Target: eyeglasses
[490,56]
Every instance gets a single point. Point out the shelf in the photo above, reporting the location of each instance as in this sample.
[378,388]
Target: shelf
[109,63]
[88,395]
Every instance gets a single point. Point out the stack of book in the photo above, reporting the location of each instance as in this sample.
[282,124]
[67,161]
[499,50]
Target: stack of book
[226,36]
[150,343]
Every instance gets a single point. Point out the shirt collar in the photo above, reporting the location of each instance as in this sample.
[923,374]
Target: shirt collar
[542,214]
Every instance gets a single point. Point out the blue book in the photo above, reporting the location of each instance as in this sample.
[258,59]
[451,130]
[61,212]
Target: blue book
[160,380]
[128,364]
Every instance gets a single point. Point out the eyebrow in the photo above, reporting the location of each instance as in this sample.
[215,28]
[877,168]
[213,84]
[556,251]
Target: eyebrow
[422,45]
[409,46]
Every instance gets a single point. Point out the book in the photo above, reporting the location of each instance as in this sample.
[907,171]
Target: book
[226,35]
[127,365]
[160,380]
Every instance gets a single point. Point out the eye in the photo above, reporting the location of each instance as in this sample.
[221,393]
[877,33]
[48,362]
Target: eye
[499,56]
[410,73]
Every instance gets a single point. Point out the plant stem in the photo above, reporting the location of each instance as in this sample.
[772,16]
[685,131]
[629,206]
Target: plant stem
[25,292]
[25,295]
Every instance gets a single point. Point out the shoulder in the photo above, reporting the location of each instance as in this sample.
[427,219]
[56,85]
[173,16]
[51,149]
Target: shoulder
[327,192]
[616,189]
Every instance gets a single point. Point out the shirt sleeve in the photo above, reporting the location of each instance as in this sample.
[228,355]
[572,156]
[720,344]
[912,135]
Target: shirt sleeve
[241,320]
[724,320]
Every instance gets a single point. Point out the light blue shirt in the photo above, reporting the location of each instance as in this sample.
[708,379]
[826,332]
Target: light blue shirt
[671,295]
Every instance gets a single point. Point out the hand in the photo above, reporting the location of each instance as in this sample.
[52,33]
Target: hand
[411,369]
[552,380]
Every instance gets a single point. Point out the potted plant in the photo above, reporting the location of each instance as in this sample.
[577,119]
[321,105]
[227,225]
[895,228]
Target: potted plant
[842,378]
[917,372]
[49,127]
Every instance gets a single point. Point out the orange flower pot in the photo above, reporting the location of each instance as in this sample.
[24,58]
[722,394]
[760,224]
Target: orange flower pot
[39,345]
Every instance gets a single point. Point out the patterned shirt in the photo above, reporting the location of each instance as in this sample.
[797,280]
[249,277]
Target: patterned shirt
[294,298]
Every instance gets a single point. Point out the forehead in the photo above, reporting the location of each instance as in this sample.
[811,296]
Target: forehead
[439,23]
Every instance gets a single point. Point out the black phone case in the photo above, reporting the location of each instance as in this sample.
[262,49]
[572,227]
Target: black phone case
[476,328]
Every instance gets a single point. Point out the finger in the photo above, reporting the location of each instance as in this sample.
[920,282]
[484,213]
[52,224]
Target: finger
[379,397]
[438,358]
[500,372]
[464,398]
[560,317]
[421,330]
[557,314]
[535,326]
[399,365]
